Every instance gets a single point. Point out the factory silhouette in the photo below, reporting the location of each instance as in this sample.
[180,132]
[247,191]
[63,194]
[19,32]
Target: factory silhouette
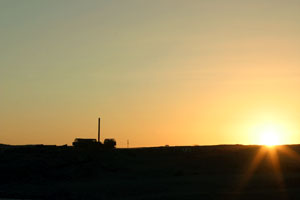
[109,143]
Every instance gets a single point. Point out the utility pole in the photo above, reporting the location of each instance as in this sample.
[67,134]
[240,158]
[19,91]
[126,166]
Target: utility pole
[127,144]
[99,129]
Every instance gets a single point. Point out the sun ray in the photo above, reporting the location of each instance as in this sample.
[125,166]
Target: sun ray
[289,152]
[259,156]
[273,156]
[277,170]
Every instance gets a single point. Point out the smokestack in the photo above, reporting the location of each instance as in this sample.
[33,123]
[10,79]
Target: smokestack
[99,129]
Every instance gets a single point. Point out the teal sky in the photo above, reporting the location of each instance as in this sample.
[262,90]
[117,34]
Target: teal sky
[157,72]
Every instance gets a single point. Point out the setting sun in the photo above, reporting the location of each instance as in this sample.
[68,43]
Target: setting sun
[269,136]
[271,129]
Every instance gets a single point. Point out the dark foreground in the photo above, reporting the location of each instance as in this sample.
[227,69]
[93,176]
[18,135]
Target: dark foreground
[200,172]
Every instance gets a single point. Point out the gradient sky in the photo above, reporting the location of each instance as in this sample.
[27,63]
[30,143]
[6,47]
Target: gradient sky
[157,72]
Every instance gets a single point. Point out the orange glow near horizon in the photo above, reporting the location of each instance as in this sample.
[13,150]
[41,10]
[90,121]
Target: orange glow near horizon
[197,73]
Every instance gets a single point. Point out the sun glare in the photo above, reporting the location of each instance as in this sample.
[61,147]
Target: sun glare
[269,137]
[269,131]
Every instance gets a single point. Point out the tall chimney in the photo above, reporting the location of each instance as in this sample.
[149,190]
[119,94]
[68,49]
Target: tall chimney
[99,129]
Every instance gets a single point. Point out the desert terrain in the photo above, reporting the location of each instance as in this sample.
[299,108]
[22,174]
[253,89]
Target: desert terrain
[187,172]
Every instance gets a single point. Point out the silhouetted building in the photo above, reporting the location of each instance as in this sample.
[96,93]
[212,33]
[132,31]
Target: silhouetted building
[85,142]
[110,143]
[89,142]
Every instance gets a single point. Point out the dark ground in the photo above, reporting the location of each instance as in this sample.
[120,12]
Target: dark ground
[199,172]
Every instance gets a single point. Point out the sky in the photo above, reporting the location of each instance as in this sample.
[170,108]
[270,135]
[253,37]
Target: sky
[159,72]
